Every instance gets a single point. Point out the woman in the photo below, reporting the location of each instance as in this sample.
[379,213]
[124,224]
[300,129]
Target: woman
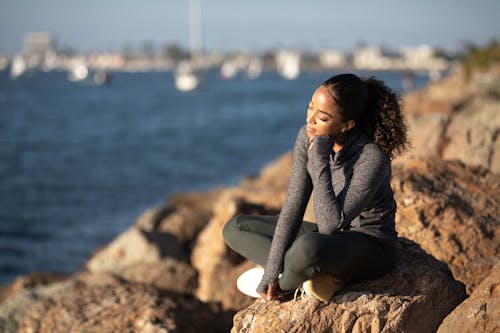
[342,156]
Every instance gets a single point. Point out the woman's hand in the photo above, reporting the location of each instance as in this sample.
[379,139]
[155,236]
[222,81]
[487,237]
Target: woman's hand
[318,155]
[273,292]
[322,144]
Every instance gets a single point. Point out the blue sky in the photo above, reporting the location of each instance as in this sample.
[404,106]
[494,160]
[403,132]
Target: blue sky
[254,25]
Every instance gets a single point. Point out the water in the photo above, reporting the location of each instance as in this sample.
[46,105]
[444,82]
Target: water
[79,163]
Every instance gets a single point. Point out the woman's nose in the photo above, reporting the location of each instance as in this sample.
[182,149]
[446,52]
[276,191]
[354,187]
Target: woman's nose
[310,117]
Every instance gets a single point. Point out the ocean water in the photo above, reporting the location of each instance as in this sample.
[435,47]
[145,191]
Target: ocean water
[79,162]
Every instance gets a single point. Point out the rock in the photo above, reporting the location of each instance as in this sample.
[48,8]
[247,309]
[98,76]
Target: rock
[217,265]
[473,133]
[480,312]
[426,134]
[98,302]
[29,281]
[135,246]
[169,274]
[13,308]
[442,97]
[415,297]
[185,223]
[457,118]
[184,216]
[452,211]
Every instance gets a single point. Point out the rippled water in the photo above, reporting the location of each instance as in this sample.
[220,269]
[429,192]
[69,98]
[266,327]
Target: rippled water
[79,162]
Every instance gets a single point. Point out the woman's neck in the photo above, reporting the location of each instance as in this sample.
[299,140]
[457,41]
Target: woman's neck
[339,142]
[337,147]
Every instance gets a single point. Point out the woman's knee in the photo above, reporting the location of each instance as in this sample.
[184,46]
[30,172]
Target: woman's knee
[304,252]
[230,230]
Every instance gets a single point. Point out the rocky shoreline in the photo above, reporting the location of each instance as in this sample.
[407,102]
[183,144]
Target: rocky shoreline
[172,272]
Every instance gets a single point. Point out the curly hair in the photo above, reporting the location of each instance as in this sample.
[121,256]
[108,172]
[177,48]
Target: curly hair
[374,107]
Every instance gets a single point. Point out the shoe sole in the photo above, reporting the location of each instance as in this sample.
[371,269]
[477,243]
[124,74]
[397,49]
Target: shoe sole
[323,286]
[248,282]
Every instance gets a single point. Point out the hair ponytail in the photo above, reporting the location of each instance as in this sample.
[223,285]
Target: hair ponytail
[383,119]
[375,108]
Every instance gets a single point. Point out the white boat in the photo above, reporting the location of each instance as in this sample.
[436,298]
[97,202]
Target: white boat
[78,71]
[288,64]
[254,68]
[250,66]
[188,73]
[229,70]
[18,67]
[186,76]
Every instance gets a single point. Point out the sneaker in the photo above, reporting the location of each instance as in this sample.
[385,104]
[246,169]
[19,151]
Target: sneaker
[248,282]
[323,286]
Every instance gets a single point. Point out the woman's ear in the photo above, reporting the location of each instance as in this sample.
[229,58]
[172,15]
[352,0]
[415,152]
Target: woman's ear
[347,126]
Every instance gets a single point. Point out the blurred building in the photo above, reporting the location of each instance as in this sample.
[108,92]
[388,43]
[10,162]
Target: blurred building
[371,58]
[422,57]
[39,50]
[332,59]
[407,58]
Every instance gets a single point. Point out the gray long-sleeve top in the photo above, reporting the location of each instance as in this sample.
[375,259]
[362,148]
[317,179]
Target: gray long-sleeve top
[351,192]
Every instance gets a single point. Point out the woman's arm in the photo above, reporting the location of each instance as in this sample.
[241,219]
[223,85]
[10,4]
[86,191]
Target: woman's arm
[292,213]
[332,212]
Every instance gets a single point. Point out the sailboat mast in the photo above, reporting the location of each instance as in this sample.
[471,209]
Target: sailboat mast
[195,29]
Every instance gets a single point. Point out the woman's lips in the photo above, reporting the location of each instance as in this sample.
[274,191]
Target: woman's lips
[309,129]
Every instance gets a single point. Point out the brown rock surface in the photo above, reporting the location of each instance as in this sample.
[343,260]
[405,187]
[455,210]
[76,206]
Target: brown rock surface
[452,211]
[100,303]
[473,133]
[169,274]
[135,246]
[13,308]
[415,297]
[427,135]
[30,281]
[480,312]
[457,118]
[184,216]
[442,96]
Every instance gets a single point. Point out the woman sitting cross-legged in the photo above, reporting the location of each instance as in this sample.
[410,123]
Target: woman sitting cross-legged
[354,127]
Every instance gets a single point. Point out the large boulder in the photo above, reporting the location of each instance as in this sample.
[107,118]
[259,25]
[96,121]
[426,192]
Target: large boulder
[98,302]
[427,135]
[18,302]
[472,134]
[480,312]
[32,280]
[415,297]
[168,273]
[135,246]
[457,118]
[443,96]
[452,210]
[184,216]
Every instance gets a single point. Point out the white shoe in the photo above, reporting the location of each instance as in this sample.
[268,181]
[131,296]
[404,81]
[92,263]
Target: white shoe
[323,286]
[248,282]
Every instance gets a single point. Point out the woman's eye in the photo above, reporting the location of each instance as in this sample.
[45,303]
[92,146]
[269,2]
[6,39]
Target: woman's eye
[323,119]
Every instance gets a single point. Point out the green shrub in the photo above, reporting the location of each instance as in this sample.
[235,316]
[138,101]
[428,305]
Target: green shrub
[481,58]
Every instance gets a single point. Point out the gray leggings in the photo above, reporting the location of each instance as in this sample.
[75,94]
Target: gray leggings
[347,254]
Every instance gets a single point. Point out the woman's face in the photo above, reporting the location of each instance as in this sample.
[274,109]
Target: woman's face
[323,117]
